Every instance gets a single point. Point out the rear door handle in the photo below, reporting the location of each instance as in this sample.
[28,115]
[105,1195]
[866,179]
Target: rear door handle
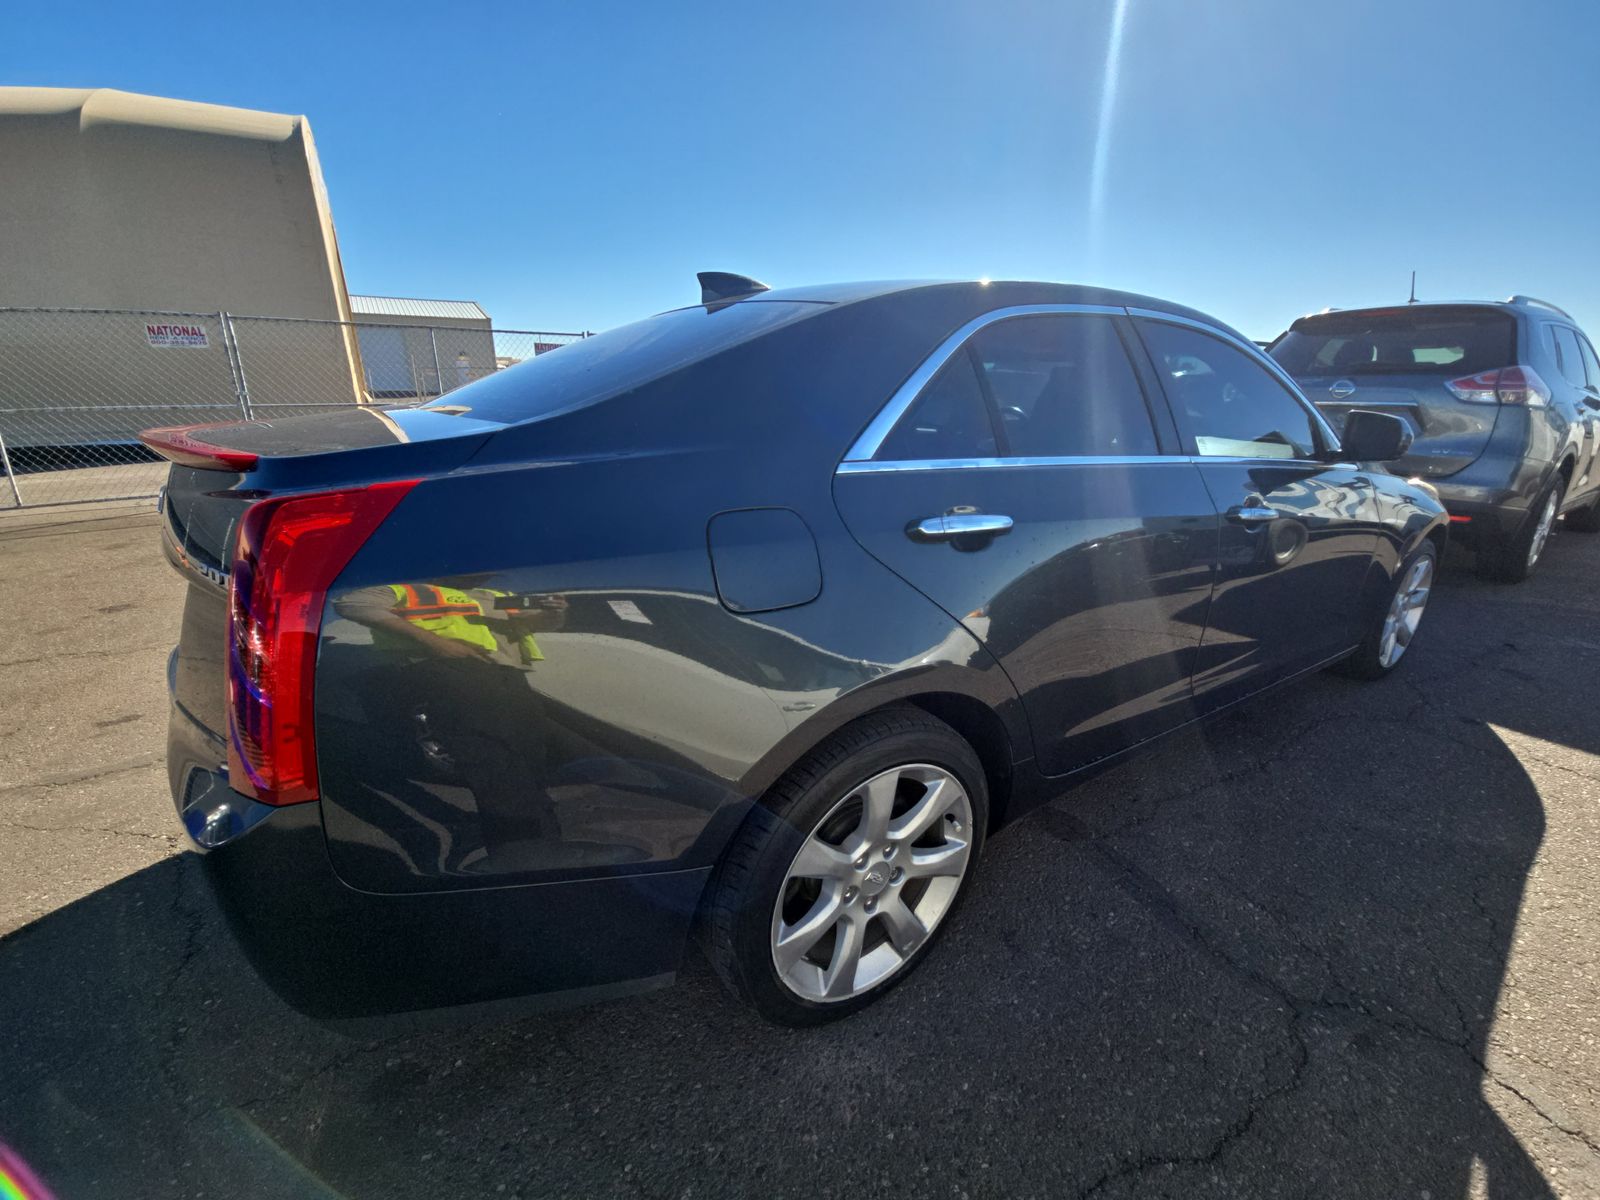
[1250,514]
[942,529]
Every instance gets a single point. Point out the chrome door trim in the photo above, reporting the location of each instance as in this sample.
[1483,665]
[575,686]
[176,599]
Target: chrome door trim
[1262,358]
[1132,460]
[889,415]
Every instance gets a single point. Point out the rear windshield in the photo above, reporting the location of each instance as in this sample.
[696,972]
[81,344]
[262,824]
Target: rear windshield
[1398,342]
[618,360]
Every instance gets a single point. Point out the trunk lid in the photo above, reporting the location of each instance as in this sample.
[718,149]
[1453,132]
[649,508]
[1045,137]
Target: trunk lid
[201,508]
[1401,361]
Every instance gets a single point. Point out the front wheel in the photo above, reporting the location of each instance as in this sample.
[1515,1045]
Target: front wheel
[839,881]
[1392,633]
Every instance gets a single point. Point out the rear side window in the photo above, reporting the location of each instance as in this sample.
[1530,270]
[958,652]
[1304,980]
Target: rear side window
[1030,387]
[1398,342]
[1232,404]
[948,419]
[598,368]
[1591,364]
[1063,388]
[1568,356]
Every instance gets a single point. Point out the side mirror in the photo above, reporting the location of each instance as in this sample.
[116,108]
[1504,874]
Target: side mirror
[1373,436]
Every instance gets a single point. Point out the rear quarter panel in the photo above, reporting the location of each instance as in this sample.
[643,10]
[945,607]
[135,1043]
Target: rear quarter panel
[652,716]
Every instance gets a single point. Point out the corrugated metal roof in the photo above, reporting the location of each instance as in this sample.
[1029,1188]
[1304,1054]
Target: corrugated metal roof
[399,306]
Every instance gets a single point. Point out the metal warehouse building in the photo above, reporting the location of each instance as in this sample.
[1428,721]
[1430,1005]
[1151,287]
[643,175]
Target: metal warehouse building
[119,201]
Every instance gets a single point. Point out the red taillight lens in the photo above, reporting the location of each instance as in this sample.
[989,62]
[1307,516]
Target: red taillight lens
[286,555]
[1508,385]
[179,444]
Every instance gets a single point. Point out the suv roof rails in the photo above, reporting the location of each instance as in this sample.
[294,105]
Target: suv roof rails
[1526,300]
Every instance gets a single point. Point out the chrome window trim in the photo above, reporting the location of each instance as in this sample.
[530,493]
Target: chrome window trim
[891,466]
[1253,351]
[889,415]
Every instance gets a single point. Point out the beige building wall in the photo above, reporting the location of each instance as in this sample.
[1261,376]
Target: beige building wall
[115,200]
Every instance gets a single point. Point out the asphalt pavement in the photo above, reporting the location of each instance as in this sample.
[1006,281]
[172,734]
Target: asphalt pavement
[1344,942]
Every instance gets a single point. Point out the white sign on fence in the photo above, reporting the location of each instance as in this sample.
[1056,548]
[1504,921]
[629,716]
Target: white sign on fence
[189,337]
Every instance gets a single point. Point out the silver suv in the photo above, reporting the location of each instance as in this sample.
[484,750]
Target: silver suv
[1503,399]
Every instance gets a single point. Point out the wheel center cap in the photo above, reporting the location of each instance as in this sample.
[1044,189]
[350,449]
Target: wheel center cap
[876,879]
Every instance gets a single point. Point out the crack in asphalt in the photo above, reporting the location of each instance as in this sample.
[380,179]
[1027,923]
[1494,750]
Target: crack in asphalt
[1171,913]
[67,778]
[169,838]
[107,652]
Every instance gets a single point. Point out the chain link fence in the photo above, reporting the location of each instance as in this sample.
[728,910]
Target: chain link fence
[77,385]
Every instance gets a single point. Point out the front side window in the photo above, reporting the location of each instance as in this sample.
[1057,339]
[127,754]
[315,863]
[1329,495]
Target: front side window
[1030,387]
[1232,405]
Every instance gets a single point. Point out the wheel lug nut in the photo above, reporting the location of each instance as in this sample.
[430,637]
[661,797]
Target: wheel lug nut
[872,903]
[861,863]
[850,895]
[888,851]
[897,875]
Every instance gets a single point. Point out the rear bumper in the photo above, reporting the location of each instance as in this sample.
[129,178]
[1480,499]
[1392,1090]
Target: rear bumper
[1476,519]
[337,953]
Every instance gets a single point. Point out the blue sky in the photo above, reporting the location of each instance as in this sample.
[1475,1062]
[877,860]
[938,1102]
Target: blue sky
[571,166]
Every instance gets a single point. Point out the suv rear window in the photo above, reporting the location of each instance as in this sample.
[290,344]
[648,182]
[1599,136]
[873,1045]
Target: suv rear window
[1398,342]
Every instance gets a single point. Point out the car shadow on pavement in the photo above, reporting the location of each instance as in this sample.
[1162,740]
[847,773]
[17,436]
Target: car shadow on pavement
[1264,960]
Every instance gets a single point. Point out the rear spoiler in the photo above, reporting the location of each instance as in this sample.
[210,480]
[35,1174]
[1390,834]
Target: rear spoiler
[178,443]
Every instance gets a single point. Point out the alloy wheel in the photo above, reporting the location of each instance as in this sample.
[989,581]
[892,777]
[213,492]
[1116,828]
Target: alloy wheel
[1405,611]
[871,882]
[1541,532]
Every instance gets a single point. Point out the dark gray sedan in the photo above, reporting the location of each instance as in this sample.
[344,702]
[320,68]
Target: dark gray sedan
[754,619]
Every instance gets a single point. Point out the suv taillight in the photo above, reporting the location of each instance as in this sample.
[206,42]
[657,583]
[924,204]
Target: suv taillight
[286,555]
[1508,385]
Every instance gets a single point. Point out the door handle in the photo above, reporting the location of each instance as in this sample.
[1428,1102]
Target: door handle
[951,525]
[1251,513]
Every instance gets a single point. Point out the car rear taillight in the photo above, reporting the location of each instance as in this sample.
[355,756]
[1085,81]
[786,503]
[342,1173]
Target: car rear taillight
[287,554]
[1508,385]
[179,444]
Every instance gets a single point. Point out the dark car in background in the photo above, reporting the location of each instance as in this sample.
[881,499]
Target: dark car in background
[753,618]
[1503,400]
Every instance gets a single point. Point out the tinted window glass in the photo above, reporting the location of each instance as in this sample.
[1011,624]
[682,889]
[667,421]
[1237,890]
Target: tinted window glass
[949,419]
[1569,356]
[1234,406]
[617,360]
[1063,387]
[1591,364]
[1415,341]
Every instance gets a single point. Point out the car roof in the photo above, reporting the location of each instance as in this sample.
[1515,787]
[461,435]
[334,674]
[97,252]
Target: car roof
[982,294]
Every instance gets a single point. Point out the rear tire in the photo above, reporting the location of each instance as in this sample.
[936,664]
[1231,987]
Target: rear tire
[1390,635]
[1515,559]
[1585,519]
[840,880]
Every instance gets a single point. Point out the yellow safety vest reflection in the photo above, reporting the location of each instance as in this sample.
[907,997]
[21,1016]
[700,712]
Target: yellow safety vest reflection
[443,612]
[452,613]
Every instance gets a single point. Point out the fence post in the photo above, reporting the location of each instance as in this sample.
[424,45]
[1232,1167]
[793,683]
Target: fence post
[241,386]
[11,478]
[438,375]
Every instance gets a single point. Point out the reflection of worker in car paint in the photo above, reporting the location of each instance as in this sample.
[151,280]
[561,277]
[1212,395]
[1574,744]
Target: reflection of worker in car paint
[458,676]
